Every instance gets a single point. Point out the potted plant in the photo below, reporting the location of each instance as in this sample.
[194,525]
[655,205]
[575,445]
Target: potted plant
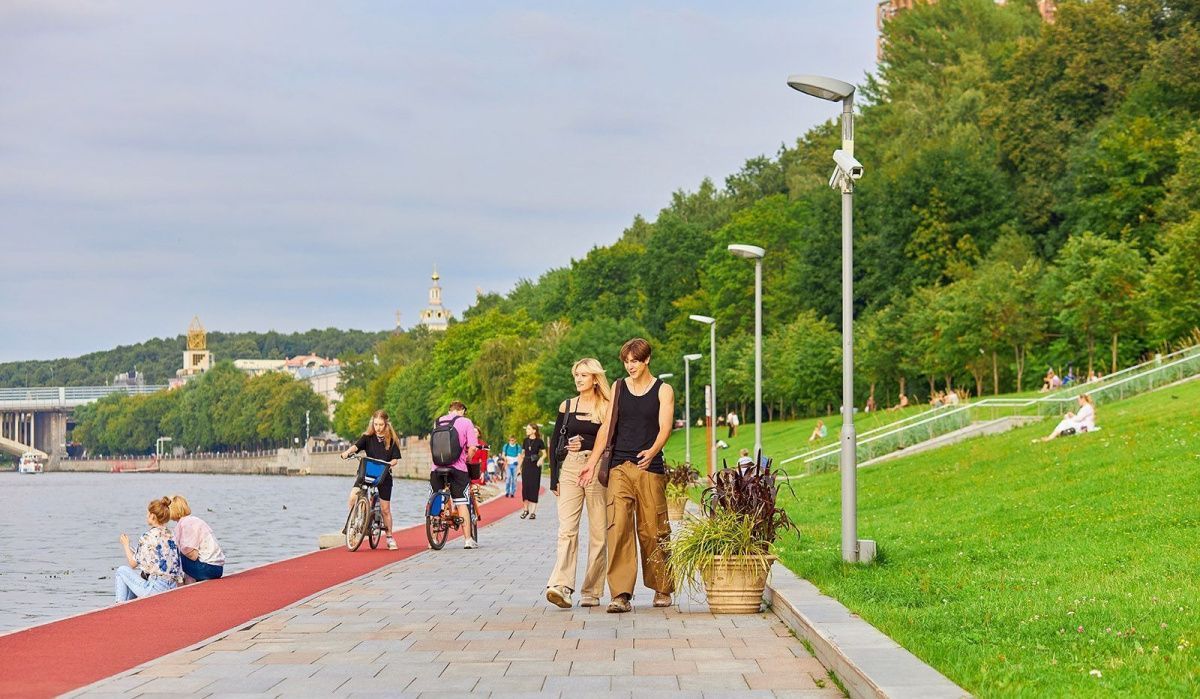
[729,549]
[680,477]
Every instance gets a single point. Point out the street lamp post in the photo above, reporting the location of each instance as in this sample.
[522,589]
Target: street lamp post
[158,446]
[847,170]
[687,405]
[755,253]
[712,355]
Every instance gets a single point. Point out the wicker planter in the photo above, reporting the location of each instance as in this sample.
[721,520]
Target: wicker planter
[735,584]
[675,508]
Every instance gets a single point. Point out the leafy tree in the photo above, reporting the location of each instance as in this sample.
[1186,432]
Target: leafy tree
[1099,279]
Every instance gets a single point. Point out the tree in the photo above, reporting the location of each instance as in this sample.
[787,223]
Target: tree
[1172,289]
[1099,279]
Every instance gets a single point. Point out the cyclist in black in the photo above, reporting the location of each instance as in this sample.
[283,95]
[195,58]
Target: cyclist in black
[379,442]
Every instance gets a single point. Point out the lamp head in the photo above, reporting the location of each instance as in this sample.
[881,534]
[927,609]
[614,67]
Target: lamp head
[707,320]
[692,357]
[752,252]
[822,87]
[664,377]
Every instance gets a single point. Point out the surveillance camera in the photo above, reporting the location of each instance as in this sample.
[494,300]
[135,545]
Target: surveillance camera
[847,164]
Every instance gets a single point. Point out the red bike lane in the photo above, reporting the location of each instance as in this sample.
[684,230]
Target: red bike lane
[64,655]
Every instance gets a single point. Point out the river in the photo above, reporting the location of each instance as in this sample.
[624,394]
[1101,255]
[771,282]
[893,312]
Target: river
[58,531]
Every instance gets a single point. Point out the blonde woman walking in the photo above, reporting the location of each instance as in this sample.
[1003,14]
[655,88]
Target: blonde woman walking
[571,444]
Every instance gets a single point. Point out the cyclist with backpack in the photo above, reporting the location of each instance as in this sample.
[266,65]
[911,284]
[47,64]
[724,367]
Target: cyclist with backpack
[452,444]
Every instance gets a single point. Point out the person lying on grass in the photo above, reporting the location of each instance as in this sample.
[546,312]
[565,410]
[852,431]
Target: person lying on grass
[1083,421]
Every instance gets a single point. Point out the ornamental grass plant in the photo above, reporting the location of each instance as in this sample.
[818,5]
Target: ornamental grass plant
[741,518]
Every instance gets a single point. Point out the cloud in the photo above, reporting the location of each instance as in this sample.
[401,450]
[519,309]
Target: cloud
[295,166]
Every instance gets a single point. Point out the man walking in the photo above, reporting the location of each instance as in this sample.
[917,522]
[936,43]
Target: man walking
[734,422]
[637,502]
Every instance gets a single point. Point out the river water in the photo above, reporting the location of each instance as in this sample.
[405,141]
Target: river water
[58,531]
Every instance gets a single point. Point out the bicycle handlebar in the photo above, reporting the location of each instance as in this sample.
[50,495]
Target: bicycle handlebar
[362,457]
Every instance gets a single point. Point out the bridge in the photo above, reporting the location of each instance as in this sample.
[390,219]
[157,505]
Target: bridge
[35,419]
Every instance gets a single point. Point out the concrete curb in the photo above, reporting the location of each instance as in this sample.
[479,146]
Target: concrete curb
[868,663]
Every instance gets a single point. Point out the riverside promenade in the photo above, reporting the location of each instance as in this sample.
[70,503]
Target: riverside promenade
[456,622]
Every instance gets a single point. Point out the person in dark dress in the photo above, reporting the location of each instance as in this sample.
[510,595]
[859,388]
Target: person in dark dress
[531,471]
[379,442]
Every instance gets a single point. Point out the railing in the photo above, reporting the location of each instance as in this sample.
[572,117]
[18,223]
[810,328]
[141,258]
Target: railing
[62,396]
[1160,371]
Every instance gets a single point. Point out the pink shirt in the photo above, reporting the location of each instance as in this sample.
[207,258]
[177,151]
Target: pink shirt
[468,434]
[193,533]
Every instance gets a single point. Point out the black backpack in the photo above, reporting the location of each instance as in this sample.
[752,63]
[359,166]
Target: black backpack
[444,443]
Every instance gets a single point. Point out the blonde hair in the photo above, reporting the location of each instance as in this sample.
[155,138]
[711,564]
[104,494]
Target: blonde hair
[179,507]
[389,433]
[601,392]
[1087,398]
[160,510]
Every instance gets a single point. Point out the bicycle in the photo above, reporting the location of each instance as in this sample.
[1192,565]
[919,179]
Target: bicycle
[441,514]
[365,519]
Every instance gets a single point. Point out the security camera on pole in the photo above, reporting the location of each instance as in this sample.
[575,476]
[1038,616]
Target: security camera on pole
[845,172]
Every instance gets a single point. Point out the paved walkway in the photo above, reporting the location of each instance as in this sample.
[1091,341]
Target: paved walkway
[454,622]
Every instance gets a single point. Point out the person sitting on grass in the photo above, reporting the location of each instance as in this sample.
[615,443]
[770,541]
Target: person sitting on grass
[819,432]
[154,566]
[203,558]
[1083,421]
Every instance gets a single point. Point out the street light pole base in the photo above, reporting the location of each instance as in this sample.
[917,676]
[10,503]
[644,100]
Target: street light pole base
[866,550]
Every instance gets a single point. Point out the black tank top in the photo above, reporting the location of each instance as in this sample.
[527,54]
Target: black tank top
[637,426]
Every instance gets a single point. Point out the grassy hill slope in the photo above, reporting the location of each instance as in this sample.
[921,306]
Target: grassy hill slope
[1068,568]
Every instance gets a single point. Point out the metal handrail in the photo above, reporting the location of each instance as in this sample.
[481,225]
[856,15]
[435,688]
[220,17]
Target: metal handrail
[1161,365]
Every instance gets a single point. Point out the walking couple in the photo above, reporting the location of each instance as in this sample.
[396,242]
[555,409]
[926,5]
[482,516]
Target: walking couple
[606,454]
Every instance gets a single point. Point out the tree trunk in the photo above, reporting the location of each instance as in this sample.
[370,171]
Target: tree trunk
[995,375]
[1091,352]
[902,384]
[1020,367]
[1114,363]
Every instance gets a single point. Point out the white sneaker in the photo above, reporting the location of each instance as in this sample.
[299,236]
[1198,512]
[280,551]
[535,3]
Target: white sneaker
[392,544]
[471,544]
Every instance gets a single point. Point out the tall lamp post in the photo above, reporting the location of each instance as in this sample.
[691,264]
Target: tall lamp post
[712,355]
[687,405]
[847,170]
[753,252]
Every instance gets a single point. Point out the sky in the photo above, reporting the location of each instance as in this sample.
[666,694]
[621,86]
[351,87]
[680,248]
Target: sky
[297,165]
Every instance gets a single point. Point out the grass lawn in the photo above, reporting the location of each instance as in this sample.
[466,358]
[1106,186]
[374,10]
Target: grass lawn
[1069,568]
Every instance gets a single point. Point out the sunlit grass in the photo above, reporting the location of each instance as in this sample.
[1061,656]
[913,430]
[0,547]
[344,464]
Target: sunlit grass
[1068,568]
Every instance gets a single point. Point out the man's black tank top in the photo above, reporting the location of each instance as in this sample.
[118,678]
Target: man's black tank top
[637,426]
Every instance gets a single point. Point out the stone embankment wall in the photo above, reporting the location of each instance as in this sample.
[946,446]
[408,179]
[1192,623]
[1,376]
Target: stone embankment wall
[414,463]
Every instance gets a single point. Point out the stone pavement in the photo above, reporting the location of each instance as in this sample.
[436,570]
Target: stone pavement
[455,622]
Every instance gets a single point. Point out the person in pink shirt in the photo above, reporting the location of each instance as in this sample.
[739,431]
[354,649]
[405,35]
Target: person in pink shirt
[200,554]
[459,475]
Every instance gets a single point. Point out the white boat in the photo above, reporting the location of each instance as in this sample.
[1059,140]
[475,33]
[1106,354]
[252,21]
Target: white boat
[30,463]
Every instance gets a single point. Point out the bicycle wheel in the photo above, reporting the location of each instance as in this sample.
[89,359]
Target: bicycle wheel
[356,528]
[376,529]
[435,526]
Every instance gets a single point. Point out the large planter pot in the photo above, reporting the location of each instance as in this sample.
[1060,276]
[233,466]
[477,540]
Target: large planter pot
[735,584]
[675,508]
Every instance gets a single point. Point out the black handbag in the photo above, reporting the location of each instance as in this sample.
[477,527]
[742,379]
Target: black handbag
[560,445]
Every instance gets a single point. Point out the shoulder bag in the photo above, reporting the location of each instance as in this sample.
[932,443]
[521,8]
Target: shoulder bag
[606,456]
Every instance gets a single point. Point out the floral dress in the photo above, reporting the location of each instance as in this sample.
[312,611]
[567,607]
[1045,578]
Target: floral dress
[157,555]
